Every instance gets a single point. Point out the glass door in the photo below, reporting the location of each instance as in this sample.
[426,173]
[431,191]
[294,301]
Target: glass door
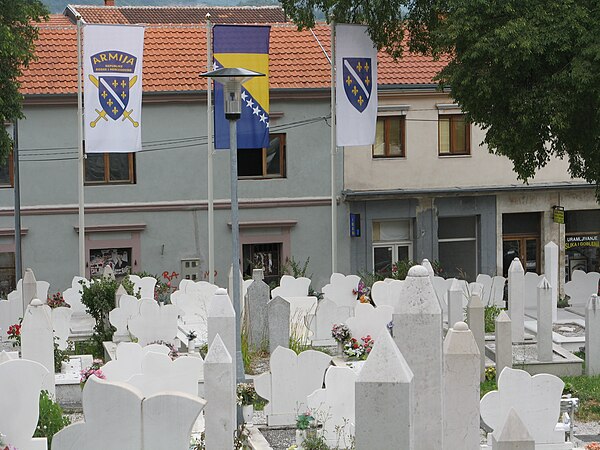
[527,249]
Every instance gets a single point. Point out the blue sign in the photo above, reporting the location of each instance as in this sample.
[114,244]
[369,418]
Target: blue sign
[358,81]
[354,225]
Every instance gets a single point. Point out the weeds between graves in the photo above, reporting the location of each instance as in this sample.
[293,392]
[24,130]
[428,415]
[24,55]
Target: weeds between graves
[51,419]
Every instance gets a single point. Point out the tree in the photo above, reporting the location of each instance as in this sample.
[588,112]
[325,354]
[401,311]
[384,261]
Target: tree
[527,72]
[17,38]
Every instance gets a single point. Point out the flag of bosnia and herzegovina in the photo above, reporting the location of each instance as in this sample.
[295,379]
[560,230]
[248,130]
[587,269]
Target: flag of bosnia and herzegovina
[247,47]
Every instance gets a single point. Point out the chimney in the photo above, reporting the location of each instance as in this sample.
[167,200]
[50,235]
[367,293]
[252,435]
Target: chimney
[109,2]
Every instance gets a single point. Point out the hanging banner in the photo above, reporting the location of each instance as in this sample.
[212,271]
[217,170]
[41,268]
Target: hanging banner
[355,86]
[247,47]
[112,73]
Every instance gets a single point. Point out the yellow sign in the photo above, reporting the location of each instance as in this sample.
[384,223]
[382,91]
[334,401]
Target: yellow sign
[558,214]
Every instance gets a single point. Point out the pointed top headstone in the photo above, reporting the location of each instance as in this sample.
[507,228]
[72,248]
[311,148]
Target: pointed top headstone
[385,363]
[460,341]
[220,305]
[513,430]
[425,263]
[516,266]
[108,272]
[217,352]
[29,286]
[550,244]
[593,303]
[544,284]
[503,317]
[258,274]
[475,301]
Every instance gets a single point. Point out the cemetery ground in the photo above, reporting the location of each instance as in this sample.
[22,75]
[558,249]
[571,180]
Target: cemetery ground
[408,362]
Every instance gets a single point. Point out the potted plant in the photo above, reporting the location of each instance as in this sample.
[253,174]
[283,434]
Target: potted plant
[246,396]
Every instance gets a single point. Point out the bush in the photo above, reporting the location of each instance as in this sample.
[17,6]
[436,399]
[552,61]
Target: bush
[490,314]
[51,419]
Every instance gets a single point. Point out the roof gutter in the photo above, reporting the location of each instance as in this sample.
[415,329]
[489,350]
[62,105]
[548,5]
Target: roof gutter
[350,195]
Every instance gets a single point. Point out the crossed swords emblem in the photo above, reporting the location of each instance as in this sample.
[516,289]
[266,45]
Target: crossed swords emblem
[102,114]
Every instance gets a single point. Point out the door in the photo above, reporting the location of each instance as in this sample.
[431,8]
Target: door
[526,248]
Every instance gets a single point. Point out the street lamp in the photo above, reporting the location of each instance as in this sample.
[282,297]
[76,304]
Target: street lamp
[232,79]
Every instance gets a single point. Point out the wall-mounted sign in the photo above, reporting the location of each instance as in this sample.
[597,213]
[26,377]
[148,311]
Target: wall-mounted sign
[582,241]
[354,225]
[558,214]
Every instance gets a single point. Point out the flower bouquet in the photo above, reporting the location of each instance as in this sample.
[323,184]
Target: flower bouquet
[94,369]
[57,301]
[359,349]
[246,394]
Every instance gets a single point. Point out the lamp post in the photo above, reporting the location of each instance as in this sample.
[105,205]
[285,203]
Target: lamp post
[232,79]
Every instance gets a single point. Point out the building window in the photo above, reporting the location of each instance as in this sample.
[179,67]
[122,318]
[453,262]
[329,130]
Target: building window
[457,246]
[454,135]
[582,237]
[109,168]
[119,260]
[391,243]
[7,274]
[521,239]
[263,256]
[263,162]
[390,137]
[6,172]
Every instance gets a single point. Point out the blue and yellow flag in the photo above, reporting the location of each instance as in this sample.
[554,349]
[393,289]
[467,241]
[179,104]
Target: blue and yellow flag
[244,46]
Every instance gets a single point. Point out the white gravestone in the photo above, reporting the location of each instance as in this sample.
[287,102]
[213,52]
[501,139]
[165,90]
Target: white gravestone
[387,292]
[129,307]
[37,339]
[535,399]
[221,320]
[368,320]
[128,361]
[342,291]
[161,373]
[552,267]
[503,348]
[461,389]
[456,295]
[441,287]
[291,287]
[144,287]
[579,289]
[516,291]
[72,295]
[322,321]
[61,323]
[493,289]
[117,416]
[592,336]
[544,321]
[193,299]
[476,320]
[20,385]
[220,388]
[418,335]
[513,435]
[11,309]
[154,323]
[385,396]
[291,379]
[531,283]
[300,309]
[334,406]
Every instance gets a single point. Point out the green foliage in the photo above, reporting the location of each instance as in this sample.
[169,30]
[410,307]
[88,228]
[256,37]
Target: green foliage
[587,389]
[304,420]
[99,299]
[563,302]
[314,441]
[369,278]
[51,419]
[525,71]
[297,269]
[17,37]
[487,386]
[490,314]
[89,347]
[61,355]
[490,373]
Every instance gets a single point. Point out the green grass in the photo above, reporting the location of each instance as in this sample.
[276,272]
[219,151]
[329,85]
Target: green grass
[487,386]
[587,390]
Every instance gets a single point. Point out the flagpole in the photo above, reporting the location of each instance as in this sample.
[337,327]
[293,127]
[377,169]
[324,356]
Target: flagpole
[17,192]
[333,152]
[80,172]
[210,151]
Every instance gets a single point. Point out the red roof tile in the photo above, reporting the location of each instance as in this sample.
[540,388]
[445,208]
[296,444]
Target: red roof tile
[179,14]
[175,55]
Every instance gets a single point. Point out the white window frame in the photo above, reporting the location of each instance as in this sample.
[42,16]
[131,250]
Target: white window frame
[394,244]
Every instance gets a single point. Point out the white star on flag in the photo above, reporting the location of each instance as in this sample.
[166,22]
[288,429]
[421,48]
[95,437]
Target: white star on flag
[263,118]
[250,103]
[215,65]
[244,95]
[256,111]
[267,124]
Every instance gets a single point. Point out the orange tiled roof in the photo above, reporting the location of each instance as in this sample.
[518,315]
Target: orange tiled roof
[175,54]
[179,14]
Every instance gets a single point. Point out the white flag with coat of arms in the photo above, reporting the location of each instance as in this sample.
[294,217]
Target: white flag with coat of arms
[356,86]
[112,72]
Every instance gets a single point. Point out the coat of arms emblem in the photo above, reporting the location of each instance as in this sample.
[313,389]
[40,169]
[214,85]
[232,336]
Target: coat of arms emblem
[358,80]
